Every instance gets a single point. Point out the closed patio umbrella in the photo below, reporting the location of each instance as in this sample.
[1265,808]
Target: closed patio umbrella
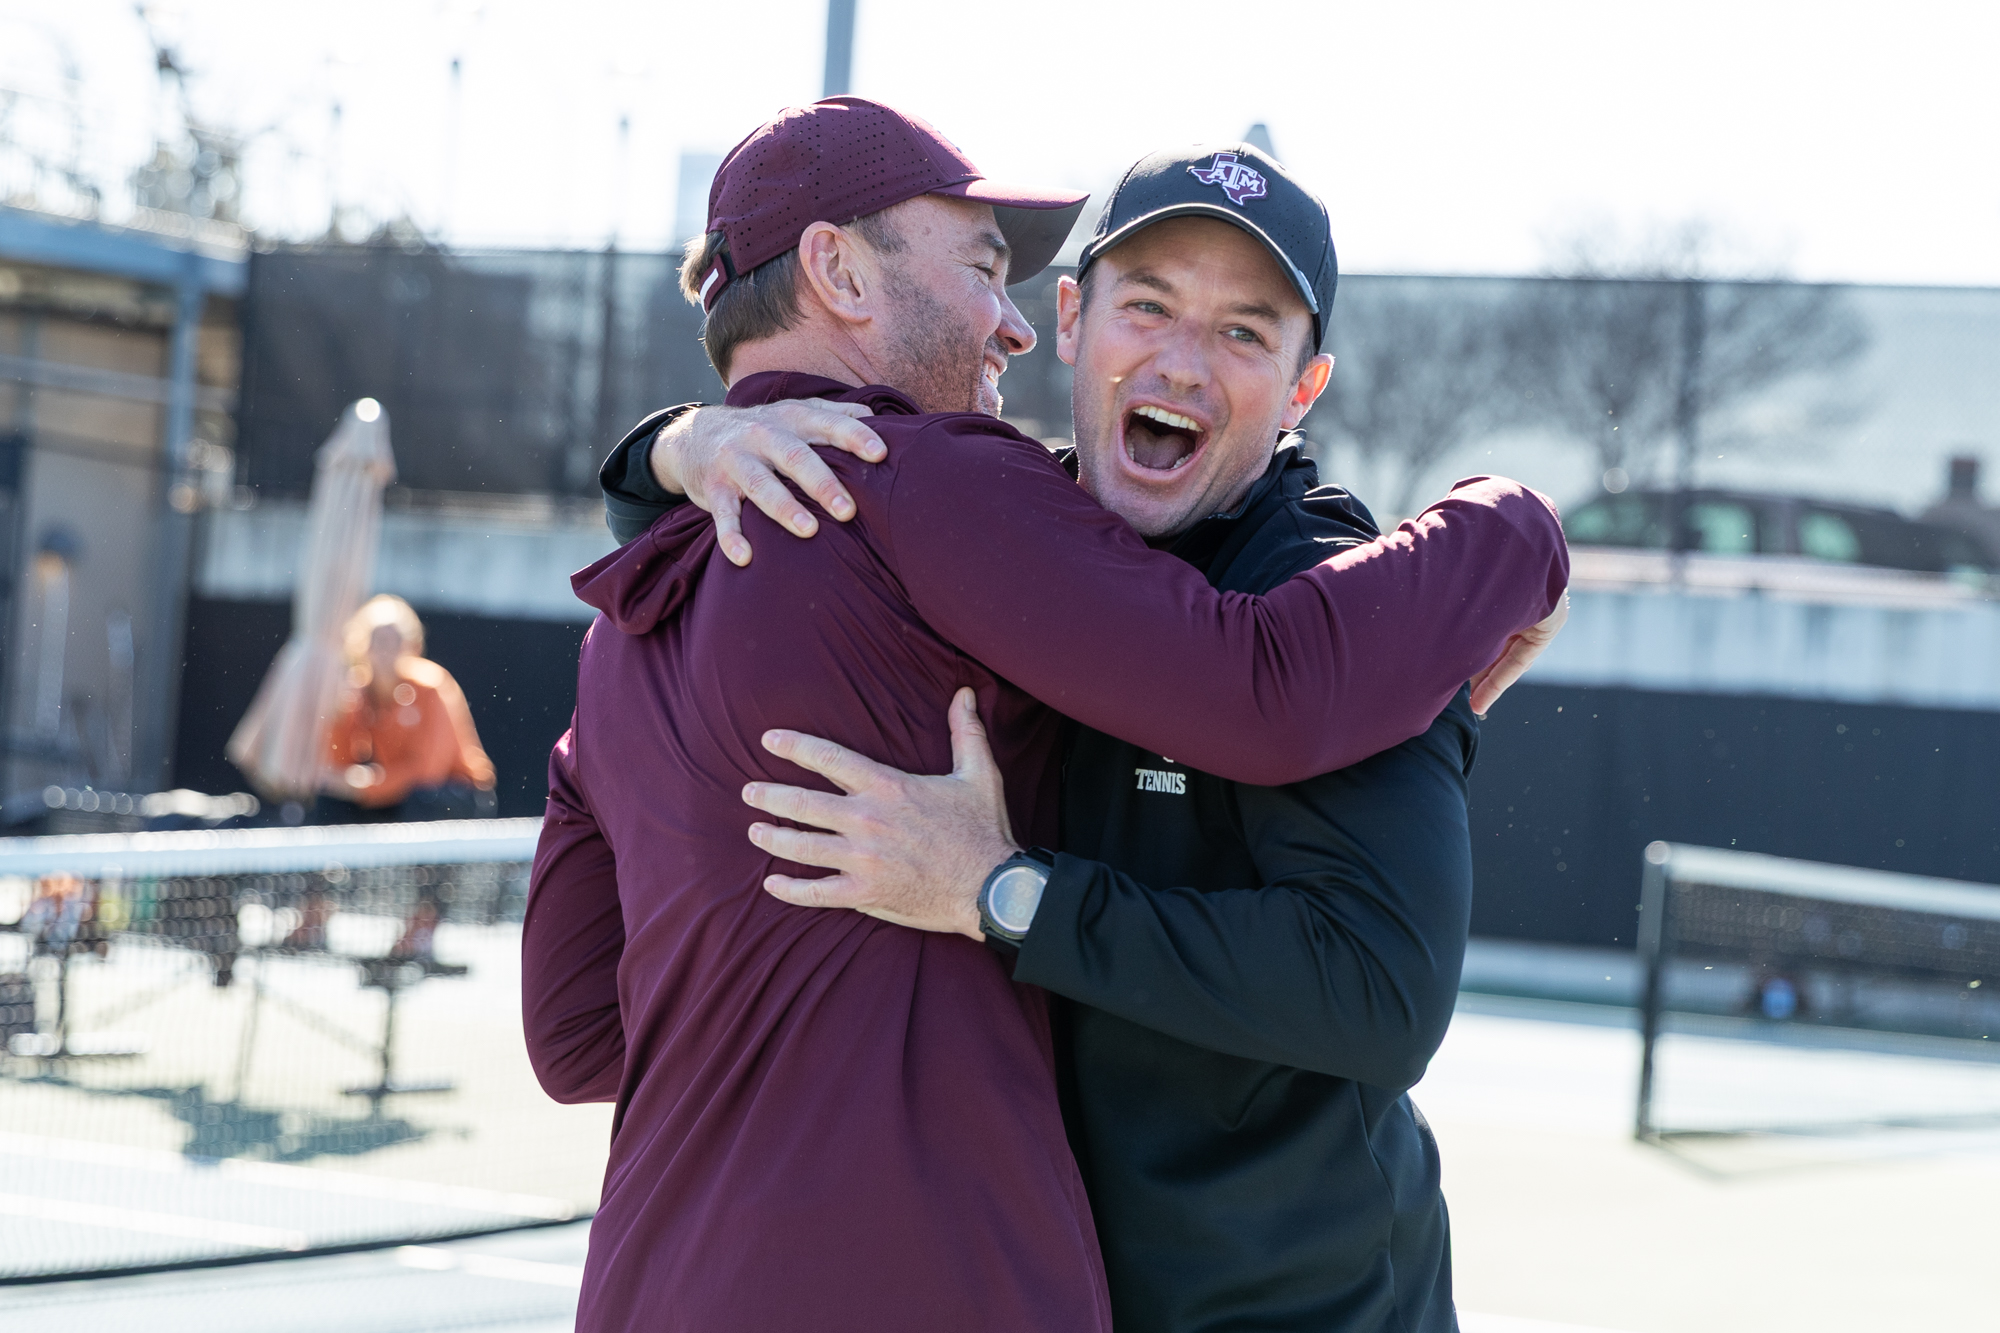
[280,743]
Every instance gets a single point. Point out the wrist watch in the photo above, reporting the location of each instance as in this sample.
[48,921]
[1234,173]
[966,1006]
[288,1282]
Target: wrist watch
[1012,892]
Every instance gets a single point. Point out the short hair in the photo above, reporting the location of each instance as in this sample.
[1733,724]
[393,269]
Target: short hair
[765,301]
[1087,279]
[379,610]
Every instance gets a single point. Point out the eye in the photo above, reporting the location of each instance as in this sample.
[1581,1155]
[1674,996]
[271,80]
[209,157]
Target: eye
[1244,335]
[1145,307]
[987,269]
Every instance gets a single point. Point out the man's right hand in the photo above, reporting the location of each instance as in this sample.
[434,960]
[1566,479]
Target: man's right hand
[907,849]
[721,456]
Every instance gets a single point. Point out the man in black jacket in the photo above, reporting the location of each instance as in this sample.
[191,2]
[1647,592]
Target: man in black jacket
[1251,978]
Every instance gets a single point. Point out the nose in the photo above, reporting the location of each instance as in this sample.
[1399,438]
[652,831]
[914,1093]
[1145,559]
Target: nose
[1181,360]
[1015,332]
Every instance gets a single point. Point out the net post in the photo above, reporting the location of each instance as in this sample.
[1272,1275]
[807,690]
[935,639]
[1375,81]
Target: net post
[62,998]
[393,989]
[247,1038]
[1652,956]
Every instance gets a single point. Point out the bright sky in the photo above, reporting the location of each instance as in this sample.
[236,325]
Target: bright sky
[1853,142]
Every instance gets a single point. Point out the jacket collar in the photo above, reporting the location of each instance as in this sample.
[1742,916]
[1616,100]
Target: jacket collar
[1290,475]
[1219,537]
[773,386]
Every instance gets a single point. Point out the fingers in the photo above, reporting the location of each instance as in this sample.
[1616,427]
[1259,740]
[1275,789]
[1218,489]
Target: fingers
[755,481]
[1519,654]
[804,806]
[800,845]
[1487,687]
[796,459]
[854,410]
[729,530]
[833,891]
[843,767]
[972,761]
[1482,699]
[755,450]
[787,447]
[970,752]
[1490,684]
[839,424]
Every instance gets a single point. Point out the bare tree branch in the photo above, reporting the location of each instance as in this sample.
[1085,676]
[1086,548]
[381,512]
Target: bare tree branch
[1416,376]
[1597,360]
[1604,350]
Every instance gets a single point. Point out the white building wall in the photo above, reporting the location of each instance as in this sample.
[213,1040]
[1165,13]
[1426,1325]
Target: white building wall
[1777,627]
[1758,626]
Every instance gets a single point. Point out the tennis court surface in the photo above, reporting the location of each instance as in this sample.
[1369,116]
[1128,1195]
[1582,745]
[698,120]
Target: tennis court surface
[279,1044]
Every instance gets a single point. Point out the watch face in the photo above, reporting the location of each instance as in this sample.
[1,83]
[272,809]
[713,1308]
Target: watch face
[1017,892]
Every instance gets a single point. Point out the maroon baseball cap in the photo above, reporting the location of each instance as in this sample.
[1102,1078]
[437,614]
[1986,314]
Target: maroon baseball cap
[846,157]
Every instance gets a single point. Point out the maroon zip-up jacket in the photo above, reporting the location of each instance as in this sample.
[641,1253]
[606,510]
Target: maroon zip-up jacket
[824,1121]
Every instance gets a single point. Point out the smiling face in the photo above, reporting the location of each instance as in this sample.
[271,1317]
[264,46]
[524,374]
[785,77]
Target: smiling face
[951,325]
[1188,359]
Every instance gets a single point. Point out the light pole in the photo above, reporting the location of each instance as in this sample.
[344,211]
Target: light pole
[839,47]
[1687,417]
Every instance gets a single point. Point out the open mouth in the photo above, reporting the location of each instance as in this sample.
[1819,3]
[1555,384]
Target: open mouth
[1157,440]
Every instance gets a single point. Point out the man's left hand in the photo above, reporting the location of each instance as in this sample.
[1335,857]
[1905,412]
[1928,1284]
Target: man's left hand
[1515,658]
[908,849]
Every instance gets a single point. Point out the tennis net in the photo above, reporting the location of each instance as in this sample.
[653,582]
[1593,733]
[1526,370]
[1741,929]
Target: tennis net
[217,1046]
[1818,944]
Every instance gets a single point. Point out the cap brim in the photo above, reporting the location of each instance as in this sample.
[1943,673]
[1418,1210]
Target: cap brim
[1035,222]
[1097,248]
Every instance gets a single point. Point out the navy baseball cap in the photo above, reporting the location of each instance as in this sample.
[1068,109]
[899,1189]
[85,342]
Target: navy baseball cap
[1238,184]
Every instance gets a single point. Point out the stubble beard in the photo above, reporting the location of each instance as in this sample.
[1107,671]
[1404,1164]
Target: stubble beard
[936,363]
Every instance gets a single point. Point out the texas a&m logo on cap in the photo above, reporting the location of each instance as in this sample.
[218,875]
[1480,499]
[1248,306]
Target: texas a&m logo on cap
[1240,181]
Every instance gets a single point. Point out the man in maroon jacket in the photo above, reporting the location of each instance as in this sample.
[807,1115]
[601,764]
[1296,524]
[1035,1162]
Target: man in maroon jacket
[826,1120]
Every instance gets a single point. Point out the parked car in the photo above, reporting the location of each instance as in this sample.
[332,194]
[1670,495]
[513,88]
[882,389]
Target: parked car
[1746,523]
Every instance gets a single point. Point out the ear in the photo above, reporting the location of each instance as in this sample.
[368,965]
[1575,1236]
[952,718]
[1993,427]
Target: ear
[1310,386]
[1069,318]
[838,272]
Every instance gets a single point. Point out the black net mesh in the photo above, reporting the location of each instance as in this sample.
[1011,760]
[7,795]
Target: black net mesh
[229,1045]
[504,371]
[1806,954]
[1777,930]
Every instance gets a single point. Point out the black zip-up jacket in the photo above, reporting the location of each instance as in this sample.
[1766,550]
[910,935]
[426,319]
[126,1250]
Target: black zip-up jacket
[1254,977]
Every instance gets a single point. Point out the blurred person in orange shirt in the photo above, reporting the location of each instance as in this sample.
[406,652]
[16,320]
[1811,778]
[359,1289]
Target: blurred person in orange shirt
[403,746]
